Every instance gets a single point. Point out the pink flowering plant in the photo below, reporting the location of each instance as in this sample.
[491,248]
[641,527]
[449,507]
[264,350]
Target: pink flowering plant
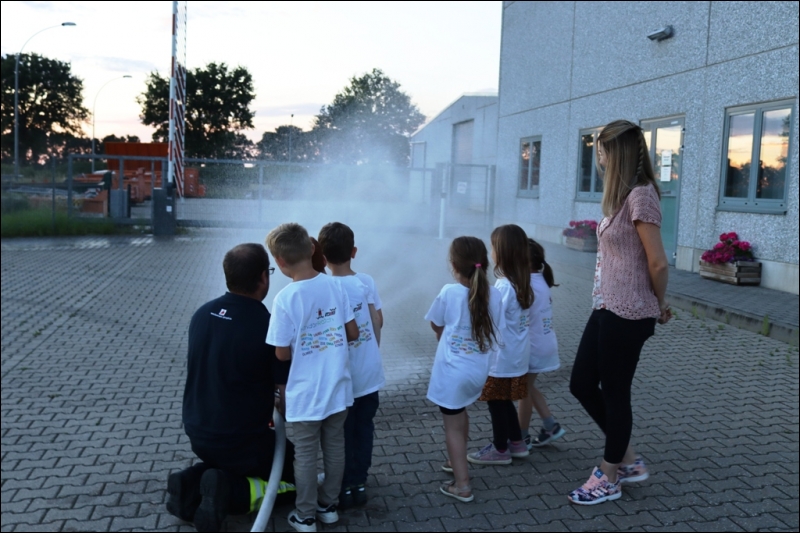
[581,229]
[729,249]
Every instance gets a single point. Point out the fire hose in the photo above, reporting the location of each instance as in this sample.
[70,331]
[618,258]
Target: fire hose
[274,476]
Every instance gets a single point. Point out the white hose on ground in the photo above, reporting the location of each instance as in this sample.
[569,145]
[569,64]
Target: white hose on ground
[274,476]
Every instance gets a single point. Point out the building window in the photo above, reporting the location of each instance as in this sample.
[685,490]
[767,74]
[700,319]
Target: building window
[529,164]
[590,181]
[758,133]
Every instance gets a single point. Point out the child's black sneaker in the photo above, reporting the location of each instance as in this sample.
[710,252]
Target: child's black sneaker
[346,498]
[214,491]
[305,524]
[327,515]
[546,437]
[359,495]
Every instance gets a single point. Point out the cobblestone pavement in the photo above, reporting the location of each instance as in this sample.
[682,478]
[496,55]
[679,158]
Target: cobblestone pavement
[93,362]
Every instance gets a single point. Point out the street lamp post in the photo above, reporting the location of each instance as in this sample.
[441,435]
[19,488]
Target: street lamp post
[16,94]
[94,106]
[291,123]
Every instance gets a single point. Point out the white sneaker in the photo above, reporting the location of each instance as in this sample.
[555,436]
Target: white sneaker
[306,525]
[327,515]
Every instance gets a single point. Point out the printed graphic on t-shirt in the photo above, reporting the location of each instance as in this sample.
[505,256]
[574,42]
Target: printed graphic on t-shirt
[547,325]
[221,314]
[461,341]
[524,322]
[319,341]
[364,327]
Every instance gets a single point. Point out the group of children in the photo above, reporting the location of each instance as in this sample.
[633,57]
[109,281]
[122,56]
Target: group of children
[493,342]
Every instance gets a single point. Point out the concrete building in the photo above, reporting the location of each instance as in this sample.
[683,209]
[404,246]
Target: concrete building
[465,132]
[717,94]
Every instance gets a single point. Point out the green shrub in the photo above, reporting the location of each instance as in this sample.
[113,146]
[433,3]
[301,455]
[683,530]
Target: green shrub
[39,223]
[11,203]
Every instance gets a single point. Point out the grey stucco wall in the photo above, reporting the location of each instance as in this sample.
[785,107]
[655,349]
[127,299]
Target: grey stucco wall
[438,133]
[568,66]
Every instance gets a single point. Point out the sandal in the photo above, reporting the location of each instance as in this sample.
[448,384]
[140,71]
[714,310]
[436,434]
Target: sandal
[447,468]
[463,494]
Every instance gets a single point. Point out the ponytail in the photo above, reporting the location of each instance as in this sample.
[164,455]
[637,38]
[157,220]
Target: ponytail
[469,259]
[538,263]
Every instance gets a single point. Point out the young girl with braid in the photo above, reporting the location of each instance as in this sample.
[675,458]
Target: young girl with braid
[508,375]
[465,317]
[628,299]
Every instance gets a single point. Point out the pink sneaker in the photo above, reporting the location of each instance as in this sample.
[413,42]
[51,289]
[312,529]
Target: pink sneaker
[518,449]
[490,456]
[596,490]
[633,472]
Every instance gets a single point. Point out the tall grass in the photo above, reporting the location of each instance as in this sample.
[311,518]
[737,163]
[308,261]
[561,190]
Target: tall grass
[39,223]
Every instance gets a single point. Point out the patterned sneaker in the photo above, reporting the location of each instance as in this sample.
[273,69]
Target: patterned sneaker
[633,472]
[546,437]
[306,525]
[327,515]
[518,449]
[490,456]
[596,490]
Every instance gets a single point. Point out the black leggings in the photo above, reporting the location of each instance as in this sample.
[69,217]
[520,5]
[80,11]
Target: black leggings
[607,356]
[505,424]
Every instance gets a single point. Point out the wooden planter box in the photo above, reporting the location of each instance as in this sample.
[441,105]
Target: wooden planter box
[738,273]
[582,245]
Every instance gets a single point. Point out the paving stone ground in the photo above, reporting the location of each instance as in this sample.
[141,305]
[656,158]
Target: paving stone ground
[93,363]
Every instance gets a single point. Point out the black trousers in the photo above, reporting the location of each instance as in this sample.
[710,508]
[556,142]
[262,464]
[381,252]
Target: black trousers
[241,458]
[603,373]
[505,424]
[359,432]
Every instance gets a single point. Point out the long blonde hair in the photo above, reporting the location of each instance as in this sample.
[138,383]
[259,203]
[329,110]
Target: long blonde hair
[627,163]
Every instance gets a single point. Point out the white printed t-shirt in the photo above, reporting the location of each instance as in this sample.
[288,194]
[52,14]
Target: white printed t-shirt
[544,345]
[309,316]
[511,360]
[367,280]
[459,369]
[366,368]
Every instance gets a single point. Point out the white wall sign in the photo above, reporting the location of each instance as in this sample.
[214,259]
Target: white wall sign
[461,188]
[666,158]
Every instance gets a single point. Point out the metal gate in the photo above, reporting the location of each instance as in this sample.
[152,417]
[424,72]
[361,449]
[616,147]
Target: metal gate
[466,198]
[262,194]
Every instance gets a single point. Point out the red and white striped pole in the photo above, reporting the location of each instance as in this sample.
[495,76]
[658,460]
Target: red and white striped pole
[177,98]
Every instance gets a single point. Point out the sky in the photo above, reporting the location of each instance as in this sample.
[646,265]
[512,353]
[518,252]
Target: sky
[300,53]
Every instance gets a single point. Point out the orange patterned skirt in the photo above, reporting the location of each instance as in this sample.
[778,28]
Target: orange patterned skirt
[505,389]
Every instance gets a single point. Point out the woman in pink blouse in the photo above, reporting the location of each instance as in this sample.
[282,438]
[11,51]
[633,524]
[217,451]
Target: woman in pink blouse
[627,300]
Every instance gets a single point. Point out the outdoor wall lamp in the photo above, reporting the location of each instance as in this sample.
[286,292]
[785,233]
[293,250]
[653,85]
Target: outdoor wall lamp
[660,34]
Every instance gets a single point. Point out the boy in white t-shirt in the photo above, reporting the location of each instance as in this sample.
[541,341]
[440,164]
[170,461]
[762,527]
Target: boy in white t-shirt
[338,246]
[312,322]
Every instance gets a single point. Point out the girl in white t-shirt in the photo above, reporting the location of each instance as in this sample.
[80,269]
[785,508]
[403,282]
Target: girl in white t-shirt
[508,380]
[544,351]
[466,317]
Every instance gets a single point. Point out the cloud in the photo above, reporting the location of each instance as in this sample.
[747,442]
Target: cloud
[42,6]
[118,64]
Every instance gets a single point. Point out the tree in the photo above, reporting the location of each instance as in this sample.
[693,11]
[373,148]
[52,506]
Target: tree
[370,121]
[288,143]
[217,109]
[101,144]
[50,106]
